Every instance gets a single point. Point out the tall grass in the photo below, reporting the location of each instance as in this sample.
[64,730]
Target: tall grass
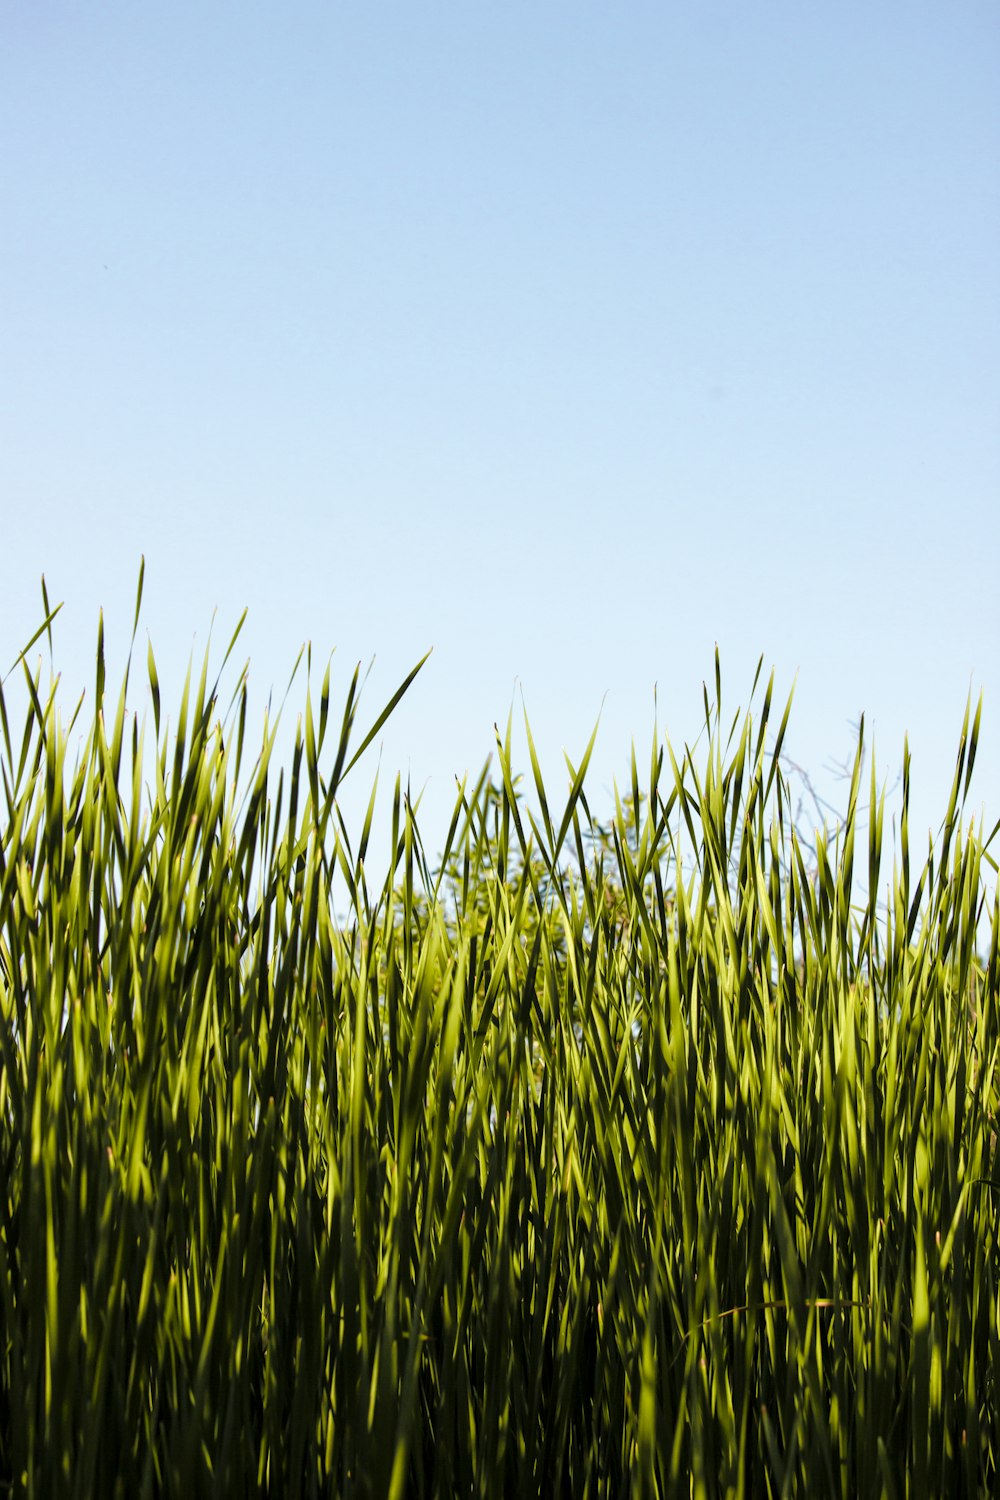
[662,1162]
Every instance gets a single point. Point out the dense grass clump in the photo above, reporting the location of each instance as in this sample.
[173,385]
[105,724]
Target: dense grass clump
[644,1159]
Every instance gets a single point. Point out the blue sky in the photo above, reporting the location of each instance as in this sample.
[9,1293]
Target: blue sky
[566,339]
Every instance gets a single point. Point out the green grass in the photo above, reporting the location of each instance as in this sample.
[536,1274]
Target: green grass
[650,1158]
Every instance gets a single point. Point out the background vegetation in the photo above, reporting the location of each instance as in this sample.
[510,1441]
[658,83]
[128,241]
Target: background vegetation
[646,1158]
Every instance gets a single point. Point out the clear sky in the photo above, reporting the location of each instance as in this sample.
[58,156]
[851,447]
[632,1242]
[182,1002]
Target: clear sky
[568,339]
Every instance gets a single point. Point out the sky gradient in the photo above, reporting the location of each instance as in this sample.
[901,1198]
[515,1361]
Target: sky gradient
[567,340]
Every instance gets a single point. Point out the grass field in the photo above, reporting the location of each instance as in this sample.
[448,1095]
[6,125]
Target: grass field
[655,1158]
